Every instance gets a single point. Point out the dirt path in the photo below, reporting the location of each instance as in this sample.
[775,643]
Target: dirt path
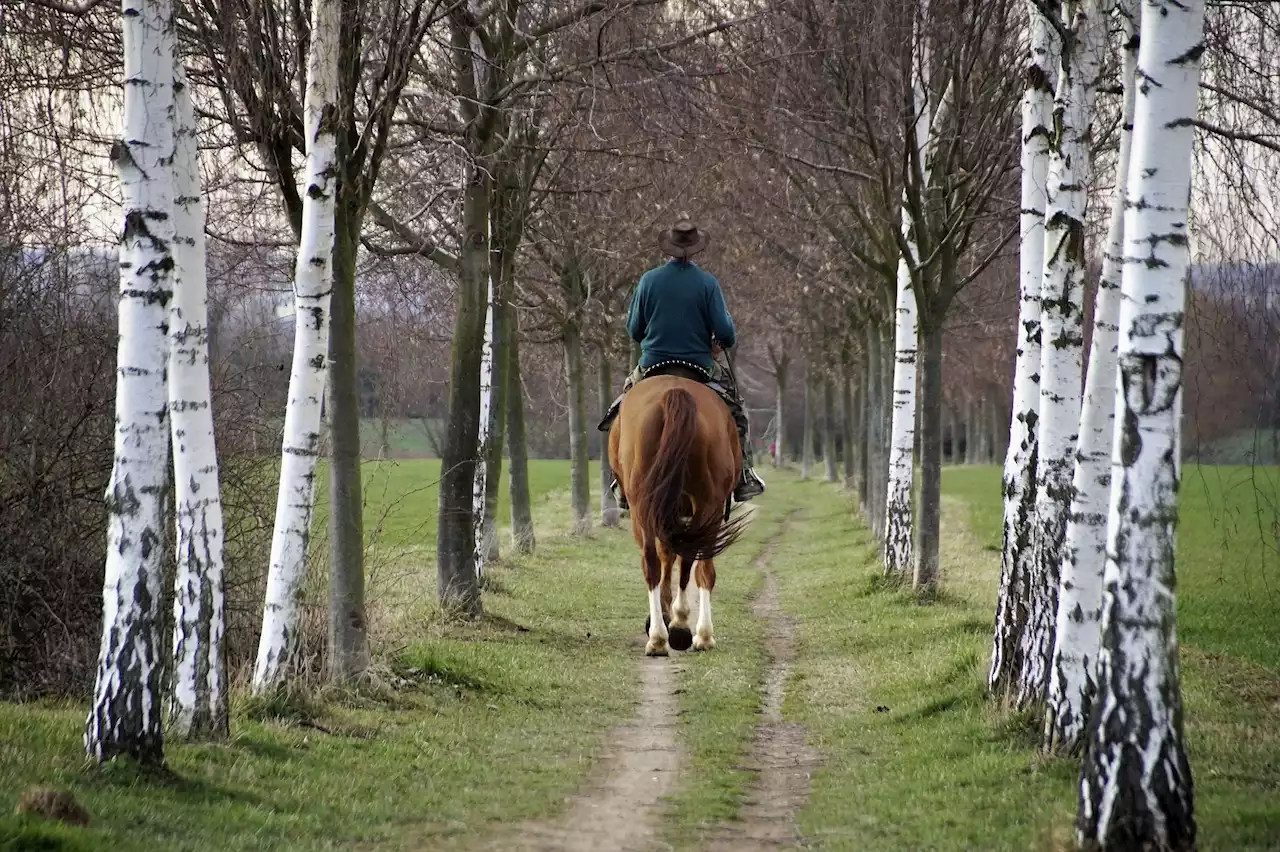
[620,805]
[780,757]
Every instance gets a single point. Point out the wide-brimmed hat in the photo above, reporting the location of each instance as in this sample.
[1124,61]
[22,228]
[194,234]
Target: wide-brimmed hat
[684,240]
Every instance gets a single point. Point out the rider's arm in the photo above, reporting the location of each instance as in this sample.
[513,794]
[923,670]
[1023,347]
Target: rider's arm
[721,323]
[637,322]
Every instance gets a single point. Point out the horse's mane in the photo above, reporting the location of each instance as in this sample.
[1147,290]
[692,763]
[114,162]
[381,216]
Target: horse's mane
[657,504]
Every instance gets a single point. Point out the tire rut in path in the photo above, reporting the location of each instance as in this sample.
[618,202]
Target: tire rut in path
[781,756]
[620,807]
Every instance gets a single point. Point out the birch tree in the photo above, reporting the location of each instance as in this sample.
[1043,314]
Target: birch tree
[1022,457]
[198,707]
[781,360]
[312,285]
[485,539]
[125,717]
[1076,637]
[1062,329]
[902,436]
[1136,787]
[254,52]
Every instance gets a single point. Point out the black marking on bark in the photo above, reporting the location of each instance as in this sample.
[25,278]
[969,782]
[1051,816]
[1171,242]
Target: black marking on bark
[1191,56]
[328,119]
[1131,438]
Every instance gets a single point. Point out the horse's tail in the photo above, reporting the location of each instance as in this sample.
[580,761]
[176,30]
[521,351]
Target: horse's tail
[662,491]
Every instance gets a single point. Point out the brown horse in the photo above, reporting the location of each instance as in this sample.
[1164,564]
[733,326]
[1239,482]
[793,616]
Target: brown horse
[674,449]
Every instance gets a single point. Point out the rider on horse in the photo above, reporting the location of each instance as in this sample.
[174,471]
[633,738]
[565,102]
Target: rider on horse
[679,318]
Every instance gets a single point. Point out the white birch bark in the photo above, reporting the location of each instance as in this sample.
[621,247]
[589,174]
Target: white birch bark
[1076,638]
[125,715]
[1021,458]
[312,286]
[198,705]
[482,464]
[902,438]
[1136,787]
[902,429]
[1062,329]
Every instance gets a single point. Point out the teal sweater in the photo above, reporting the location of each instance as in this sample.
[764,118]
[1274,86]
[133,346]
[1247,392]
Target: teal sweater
[675,311]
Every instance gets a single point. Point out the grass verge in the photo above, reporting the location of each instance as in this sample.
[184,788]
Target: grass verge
[917,758]
[490,723]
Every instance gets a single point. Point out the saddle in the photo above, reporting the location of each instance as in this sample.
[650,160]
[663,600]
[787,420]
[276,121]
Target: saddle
[682,369]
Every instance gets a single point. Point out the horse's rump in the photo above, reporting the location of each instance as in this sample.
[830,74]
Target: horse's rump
[683,512]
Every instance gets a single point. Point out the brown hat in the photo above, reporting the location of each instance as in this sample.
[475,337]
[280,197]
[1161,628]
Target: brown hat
[684,240]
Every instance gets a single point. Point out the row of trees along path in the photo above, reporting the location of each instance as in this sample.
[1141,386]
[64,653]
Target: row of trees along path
[880,194]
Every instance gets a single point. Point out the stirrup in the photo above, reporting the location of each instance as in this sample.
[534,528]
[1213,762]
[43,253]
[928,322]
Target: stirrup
[750,485]
[618,496]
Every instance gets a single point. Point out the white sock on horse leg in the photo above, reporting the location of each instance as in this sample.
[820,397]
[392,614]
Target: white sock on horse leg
[680,607]
[657,627]
[702,640]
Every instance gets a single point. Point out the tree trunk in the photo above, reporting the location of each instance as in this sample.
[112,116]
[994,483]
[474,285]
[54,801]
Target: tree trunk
[970,432]
[849,417]
[492,392]
[1021,460]
[996,420]
[1062,326]
[807,450]
[829,435]
[780,412]
[1136,788]
[579,458]
[929,522]
[865,402]
[609,514]
[984,449]
[886,421]
[312,284]
[198,709]
[458,586]
[495,433]
[902,435]
[1084,556]
[522,537]
[948,434]
[125,716]
[487,413]
[876,460]
[348,625]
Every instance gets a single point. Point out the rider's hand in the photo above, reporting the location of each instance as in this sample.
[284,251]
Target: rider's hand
[716,349]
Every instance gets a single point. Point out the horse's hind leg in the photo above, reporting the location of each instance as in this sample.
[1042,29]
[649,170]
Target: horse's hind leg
[652,563]
[681,636]
[705,576]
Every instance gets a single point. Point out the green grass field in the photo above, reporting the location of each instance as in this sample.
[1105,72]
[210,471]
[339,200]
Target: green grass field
[478,726]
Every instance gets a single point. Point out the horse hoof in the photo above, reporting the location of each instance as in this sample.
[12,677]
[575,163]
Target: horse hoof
[680,638]
[700,644]
[655,648]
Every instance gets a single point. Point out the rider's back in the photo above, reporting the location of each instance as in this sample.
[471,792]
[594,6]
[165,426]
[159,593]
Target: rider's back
[676,309]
